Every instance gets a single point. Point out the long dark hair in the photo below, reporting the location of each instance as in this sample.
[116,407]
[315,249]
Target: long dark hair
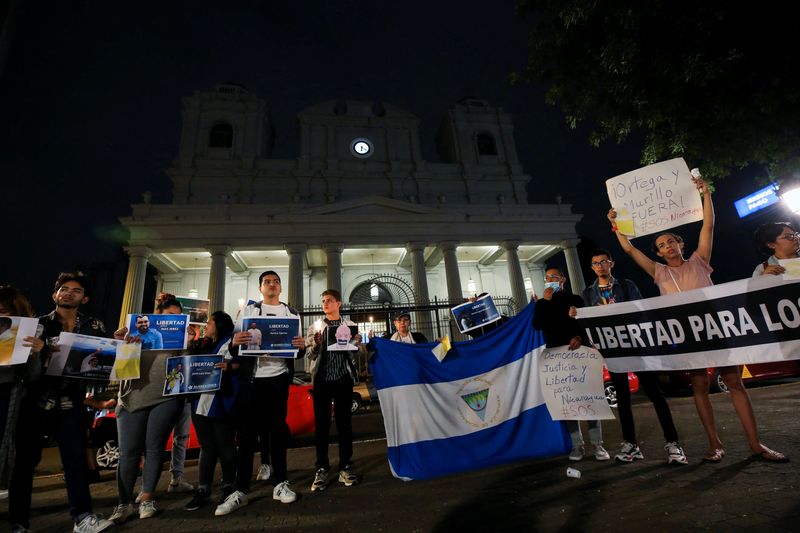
[768,233]
[224,324]
[14,300]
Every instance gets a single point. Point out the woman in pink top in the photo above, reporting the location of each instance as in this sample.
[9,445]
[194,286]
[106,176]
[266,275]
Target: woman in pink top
[677,274]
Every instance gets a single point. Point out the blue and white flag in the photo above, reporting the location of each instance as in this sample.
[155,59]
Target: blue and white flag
[481,406]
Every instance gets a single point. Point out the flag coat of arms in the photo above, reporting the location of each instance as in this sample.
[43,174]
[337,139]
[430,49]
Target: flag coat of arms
[481,406]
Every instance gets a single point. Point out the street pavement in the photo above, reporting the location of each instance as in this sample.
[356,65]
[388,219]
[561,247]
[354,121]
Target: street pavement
[739,494]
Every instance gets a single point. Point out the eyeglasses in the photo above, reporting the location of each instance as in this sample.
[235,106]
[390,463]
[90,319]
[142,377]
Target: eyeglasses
[790,236]
[601,263]
[552,278]
[271,282]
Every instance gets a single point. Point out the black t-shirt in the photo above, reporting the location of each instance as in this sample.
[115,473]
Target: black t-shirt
[552,318]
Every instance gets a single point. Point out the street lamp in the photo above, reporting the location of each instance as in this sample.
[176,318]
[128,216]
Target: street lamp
[792,199]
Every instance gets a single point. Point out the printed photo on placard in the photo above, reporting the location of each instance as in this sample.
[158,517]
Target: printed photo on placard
[13,330]
[270,335]
[341,338]
[196,308]
[83,356]
[191,374]
[159,332]
[472,315]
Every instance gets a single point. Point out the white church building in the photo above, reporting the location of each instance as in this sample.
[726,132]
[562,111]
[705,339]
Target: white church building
[358,209]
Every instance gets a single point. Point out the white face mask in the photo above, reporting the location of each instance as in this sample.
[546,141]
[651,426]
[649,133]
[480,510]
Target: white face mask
[555,285]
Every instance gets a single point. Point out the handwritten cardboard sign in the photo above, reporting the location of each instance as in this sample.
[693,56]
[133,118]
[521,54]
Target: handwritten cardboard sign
[654,198]
[572,384]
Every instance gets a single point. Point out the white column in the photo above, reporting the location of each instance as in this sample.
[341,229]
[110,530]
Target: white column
[418,273]
[296,253]
[573,267]
[333,254]
[216,276]
[536,272]
[518,291]
[454,291]
[134,283]
[420,279]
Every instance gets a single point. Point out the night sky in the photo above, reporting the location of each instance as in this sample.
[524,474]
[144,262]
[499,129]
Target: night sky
[90,108]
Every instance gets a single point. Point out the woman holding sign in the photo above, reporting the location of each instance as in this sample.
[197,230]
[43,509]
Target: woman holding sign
[678,274]
[213,414]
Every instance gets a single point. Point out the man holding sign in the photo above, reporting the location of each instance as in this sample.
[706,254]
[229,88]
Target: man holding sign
[676,275]
[608,290]
[265,389]
[552,315]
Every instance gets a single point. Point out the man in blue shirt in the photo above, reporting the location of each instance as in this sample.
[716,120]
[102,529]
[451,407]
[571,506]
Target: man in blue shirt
[150,338]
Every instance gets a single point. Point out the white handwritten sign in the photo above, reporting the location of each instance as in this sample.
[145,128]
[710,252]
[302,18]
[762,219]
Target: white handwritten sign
[572,384]
[655,198]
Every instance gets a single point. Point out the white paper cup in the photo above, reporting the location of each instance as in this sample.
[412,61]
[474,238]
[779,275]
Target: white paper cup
[571,472]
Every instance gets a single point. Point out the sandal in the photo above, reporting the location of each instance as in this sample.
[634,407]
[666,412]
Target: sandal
[714,456]
[771,456]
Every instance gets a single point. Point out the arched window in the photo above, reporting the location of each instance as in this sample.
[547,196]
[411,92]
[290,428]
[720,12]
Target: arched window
[486,145]
[221,136]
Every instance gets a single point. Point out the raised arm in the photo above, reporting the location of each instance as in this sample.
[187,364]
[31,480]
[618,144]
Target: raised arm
[647,264]
[706,241]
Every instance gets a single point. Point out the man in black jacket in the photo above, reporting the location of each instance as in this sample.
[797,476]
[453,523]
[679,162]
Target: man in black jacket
[609,290]
[552,316]
[54,406]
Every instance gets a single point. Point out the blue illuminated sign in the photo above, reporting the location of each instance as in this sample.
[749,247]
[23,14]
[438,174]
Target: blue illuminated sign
[757,201]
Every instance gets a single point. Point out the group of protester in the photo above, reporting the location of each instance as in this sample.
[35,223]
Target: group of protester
[556,310]
[33,404]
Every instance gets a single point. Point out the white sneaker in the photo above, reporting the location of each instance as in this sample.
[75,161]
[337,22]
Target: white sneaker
[147,509]
[121,513]
[236,500]
[600,453]
[92,524]
[3,494]
[628,452]
[283,493]
[576,454]
[138,499]
[178,484]
[264,471]
[675,454]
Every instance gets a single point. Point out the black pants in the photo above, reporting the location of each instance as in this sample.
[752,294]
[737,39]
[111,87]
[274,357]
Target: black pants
[217,438]
[341,393]
[263,416]
[69,428]
[648,381]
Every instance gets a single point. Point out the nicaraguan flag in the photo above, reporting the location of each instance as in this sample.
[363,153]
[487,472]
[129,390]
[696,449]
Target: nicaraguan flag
[480,406]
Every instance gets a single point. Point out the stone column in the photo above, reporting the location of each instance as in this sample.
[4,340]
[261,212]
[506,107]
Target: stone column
[418,274]
[134,283]
[518,291]
[216,276]
[536,272]
[296,253]
[573,267]
[454,290]
[333,255]
[420,280]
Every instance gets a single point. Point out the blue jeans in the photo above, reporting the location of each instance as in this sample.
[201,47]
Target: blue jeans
[180,436]
[144,431]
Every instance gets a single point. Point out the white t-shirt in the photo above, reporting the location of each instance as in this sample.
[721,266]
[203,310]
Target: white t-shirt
[270,367]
